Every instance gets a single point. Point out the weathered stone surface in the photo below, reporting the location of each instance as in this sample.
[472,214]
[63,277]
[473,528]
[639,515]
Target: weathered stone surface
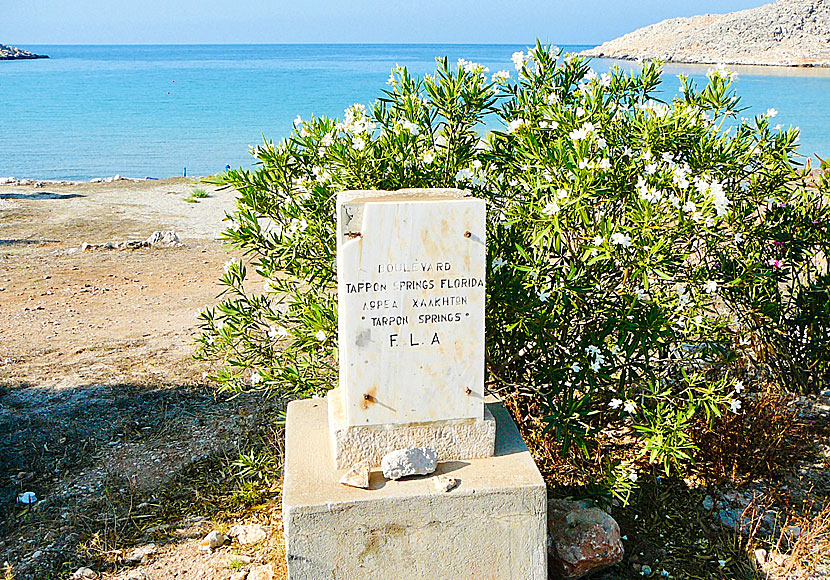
[411,266]
[787,32]
[492,526]
[582,539]
[412,461]
[357,476]
[452,439]
[248,533]
[83,573]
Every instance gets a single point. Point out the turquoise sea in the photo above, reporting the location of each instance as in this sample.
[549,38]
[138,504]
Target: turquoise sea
[152,111]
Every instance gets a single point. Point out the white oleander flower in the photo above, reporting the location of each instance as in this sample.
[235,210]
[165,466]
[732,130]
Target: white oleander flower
[515,125]
[498,262]
[598,240]
[256,378]
[576,368]
[621,239]
[632,476]
[771,112]
[501,76]
[615,403]
[428,157]
[630,407]
[735,405]
[413,128]
[711,287]
[551,209]
[739,237]
[519,59]
[463,175]
[544,295]
[327,140]
[358,143]
[320,335]
[739,386]
[592,350]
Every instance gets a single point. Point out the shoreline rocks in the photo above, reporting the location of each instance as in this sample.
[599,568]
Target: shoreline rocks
[792,33]
[13,53]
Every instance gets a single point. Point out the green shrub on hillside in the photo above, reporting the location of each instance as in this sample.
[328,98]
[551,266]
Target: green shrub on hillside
[635,247]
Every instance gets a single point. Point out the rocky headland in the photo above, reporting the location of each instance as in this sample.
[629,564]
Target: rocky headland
[13,53]
[783,33]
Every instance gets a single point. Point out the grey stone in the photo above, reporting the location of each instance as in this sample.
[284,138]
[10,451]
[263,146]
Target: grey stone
[166,238]
[412,461]
[492,527]
[248,533]
[139,554]
[83,573]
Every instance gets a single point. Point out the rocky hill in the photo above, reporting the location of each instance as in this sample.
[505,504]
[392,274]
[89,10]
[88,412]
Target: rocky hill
[783,33]
[13,53]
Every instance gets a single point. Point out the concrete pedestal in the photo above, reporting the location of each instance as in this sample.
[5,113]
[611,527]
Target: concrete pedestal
[492,526]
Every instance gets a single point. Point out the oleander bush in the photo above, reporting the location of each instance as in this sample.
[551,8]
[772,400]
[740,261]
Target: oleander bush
[642,254]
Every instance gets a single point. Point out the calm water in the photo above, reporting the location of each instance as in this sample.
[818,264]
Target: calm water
[94,111]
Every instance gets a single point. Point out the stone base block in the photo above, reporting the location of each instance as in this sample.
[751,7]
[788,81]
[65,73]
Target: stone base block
[451,439]
[493,525]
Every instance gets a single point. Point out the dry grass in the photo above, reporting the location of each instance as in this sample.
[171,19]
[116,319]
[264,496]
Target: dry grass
[767,438]
[809,556]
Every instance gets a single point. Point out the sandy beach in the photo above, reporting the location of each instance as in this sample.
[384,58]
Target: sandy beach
[98,390]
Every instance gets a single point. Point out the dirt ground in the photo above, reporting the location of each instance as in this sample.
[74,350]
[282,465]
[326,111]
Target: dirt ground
[102,408]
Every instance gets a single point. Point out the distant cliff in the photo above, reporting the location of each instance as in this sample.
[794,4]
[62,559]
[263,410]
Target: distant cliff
[13,53]
[783,33]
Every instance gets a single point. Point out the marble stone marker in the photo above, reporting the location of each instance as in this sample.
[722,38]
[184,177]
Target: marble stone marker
[411,278]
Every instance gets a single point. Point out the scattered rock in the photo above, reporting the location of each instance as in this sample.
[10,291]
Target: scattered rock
[412,461]
[357,476]
[165,239]
[583,540]
[265,572]
[82,574]
[248,533]
[444,483]
[136,575]
[212,541]
[140,554]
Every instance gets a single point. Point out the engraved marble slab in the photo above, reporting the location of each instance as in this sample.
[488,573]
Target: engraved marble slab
[411,273]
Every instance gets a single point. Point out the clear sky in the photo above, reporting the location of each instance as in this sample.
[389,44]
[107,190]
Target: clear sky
[336,21]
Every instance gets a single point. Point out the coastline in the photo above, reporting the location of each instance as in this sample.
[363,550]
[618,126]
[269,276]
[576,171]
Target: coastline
[785,33]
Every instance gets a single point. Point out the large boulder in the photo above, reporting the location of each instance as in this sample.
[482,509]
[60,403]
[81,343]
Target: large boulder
[582,539]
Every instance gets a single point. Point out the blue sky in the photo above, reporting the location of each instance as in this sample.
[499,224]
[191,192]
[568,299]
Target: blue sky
[370,21]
